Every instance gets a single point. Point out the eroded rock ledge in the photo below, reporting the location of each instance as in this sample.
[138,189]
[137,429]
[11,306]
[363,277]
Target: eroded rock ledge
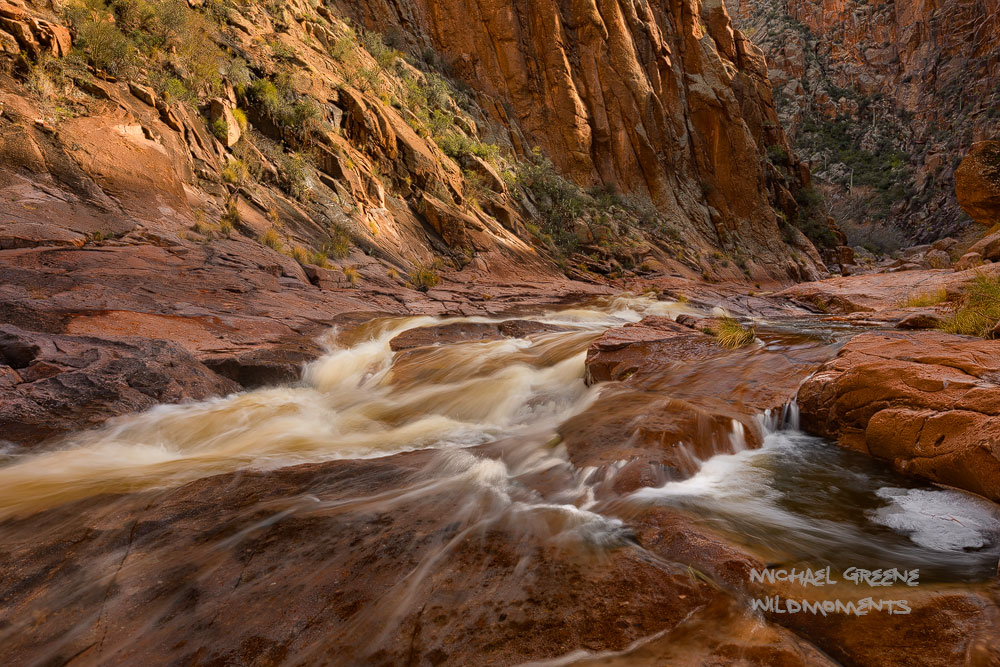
[926,402]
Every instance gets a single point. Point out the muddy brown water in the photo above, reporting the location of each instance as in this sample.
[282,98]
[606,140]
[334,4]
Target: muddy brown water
[456,442]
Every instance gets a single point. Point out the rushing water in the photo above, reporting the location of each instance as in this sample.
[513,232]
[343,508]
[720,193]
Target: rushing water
[487,412]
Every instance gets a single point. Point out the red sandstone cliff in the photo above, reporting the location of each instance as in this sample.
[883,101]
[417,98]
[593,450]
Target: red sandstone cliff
[891,93]
[656,97]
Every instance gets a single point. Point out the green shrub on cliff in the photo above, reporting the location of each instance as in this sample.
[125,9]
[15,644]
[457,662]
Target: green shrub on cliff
[384,55]
[166,39]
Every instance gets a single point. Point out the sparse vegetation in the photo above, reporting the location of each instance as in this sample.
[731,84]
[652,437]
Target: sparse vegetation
[925,299]
[230,217]
[166,38]
[732,335]
[384,55]
[979,311]
[319,258]
[272,239]
[424,277]
[339,244]
[235,172]
[352,275]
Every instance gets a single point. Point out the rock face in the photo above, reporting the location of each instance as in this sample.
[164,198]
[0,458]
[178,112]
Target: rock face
[674,398]
[469,331]
[928,403]
[664,99]
[883,98]
[977,182]
[51,384]
[34,35]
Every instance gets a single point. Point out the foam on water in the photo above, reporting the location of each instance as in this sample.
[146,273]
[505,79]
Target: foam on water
[938,519]
[808,499]
[359,400]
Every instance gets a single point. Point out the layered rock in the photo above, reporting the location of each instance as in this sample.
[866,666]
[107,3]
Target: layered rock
[53,384]
[883,99]
[660,99]
[928,403]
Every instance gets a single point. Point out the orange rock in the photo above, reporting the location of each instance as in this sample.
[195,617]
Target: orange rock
[928,403]
[977,182]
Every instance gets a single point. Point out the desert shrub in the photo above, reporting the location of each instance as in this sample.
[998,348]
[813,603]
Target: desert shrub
[296,172]
[877,238]
[265,93]
[812,218]
[344,46]
[235,172]
[107,48]
[241,119]
[271,239]
[731,334]
[239,75]
[352,275]
[319,258]
[166,38]
[424,277]
[339,244]
[300,255]
[384,55]
[979,311]
[300,116]
[230,217]
[220,128]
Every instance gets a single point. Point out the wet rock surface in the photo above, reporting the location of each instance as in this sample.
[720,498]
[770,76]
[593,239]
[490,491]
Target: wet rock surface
[286,550]
[53,384]
[928,403]
[674,397]
[469,331]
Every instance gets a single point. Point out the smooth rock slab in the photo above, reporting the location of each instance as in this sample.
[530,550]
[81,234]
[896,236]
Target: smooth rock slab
[926,402]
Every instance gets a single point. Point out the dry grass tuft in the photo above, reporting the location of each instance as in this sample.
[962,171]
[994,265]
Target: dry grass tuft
[732,335]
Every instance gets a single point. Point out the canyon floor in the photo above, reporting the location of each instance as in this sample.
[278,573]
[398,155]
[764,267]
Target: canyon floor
[489,472]
[472,332]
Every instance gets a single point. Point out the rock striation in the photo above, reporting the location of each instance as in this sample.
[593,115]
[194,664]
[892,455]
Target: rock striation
[656,98]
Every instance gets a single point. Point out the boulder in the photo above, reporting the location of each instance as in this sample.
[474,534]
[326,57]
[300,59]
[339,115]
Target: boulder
[925,319]
[620,352]
[926,402]
[143,93]
[987,248]
[673,398]
[937,259]
[468,331]
[969,260]
[945,244]
[68,383]
[450,223]
[220,109]
[977,182]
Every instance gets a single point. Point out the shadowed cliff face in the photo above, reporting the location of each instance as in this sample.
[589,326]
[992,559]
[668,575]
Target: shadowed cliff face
[898,90]
[655,97]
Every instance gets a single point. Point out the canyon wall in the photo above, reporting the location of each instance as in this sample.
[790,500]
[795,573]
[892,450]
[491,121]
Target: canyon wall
[883,99]
[658,98]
